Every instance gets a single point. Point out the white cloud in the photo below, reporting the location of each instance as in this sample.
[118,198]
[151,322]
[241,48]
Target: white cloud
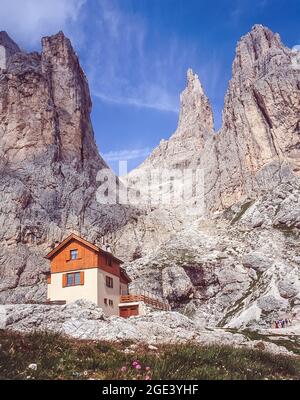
[129,65]
[155,99]
[26,21]
[125,155]
[241,8]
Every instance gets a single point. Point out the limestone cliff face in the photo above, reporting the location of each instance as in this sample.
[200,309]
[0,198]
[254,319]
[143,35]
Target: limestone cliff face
[45,108]
[259,138]
[260,134]
[48,163]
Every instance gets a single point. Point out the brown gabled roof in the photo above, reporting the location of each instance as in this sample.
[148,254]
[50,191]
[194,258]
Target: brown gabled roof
[109,254]
[83,241]
[125,276]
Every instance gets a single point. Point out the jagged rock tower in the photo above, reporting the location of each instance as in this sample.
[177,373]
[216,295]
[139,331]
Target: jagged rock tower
[194,127]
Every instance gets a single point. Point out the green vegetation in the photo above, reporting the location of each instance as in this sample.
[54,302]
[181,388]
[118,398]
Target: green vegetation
[290,342]
[52,356]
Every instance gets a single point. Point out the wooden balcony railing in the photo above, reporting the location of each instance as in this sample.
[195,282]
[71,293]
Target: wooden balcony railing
[147,299]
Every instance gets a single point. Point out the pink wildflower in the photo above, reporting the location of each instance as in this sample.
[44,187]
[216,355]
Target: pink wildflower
[135,363]
[148,368]
[137,366]
[124,369]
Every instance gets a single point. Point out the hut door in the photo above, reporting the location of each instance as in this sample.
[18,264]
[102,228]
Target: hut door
[127,312]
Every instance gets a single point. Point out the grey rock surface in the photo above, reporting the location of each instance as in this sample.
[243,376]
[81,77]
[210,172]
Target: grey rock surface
[221,273]
[84,320]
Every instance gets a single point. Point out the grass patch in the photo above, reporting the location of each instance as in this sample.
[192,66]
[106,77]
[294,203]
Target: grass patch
[58,357]
[290,342]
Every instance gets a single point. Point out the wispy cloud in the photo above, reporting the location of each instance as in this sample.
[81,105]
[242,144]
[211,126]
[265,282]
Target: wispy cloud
[240,8]
[125,155]
[129,66]
[27,21]
[155,99]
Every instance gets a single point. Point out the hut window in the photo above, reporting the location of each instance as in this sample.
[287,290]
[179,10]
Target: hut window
[73,279]
[74,254]
[109,282]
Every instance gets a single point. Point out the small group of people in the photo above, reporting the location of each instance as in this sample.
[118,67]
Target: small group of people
[283,323]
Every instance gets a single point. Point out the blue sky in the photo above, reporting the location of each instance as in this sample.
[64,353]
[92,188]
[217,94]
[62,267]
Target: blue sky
[136,53]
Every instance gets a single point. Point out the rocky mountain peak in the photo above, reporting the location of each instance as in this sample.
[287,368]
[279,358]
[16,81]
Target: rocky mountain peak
[58,48]
[7,42]
[7,48]
[257,51]
[55,118]
[260,133]
[194,127]
[196,115]
[193,82]
[263,38]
